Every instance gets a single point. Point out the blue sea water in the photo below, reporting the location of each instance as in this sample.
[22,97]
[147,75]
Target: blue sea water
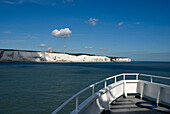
[42,87]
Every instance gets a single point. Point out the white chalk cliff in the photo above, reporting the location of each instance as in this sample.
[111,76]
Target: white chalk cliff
[35,56]
[121,59]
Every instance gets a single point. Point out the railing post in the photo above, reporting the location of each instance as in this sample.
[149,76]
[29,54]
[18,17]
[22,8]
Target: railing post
[137,76]
[93,90]
[151,79]
[158,96]
[123,76]
[77,104]
[105,83]
[141,90]
[124,89]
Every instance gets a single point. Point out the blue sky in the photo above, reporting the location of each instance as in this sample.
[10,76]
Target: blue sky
[139,29]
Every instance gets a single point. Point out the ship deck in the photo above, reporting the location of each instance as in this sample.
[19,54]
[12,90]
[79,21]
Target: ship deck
[128,105]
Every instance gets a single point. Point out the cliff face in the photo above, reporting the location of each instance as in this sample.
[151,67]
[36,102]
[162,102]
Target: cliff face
[121,59]
[34,56]
[25,56]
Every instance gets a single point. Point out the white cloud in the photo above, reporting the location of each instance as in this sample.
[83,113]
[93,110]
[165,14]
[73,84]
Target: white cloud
[120,24]
[137,23]
[7,32]
[13,2]
[103,48]
[42,45]
[50,49]
[62,33]
[6,40]
[40,2]
[29,36]
[64,1]
[88,47]
[65,47]
[13,40]
[92,21]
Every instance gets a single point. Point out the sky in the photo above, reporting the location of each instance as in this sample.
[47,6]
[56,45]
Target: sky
[138,29]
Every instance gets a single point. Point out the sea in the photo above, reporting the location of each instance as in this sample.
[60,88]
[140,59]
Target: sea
[34,88]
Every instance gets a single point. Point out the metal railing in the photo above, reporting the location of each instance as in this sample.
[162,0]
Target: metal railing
[76,96]
[153,76]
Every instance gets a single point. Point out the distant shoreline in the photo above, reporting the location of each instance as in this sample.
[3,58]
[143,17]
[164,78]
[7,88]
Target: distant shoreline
[9,55]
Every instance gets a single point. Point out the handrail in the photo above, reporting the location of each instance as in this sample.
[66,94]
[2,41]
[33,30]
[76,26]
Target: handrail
[113,76]
[69,100]
[155,76]
[104,80]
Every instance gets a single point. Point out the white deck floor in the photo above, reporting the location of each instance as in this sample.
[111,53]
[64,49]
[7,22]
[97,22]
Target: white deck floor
[128,106]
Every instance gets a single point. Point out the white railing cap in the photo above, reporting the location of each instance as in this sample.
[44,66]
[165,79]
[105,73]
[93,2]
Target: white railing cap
[155,76]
